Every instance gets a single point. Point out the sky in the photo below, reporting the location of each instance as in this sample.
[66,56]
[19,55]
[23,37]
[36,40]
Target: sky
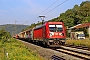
[27,12]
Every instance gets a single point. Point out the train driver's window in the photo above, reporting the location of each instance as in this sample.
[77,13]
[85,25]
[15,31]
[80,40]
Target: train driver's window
[52,28]
[59,28]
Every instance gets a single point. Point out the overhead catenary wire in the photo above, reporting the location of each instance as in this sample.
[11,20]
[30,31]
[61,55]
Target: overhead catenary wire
[55,7]
[46,9]
[52,8]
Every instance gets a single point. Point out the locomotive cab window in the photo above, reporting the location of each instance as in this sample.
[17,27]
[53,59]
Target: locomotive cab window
[52,28]
[59,28]
[56,28]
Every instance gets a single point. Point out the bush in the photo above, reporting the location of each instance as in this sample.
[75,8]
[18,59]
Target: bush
[79,42]
[17,51]
[4,35]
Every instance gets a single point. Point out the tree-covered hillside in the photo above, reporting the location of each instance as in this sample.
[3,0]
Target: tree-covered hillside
[76,15]
[12,28]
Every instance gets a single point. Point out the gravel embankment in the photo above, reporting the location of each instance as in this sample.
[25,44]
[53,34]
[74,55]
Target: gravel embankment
[48,53]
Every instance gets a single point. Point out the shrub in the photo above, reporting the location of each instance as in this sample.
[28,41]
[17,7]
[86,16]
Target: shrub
[4,36]
[79,42]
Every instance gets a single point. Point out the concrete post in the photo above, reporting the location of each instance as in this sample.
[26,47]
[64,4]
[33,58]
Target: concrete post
[89,32]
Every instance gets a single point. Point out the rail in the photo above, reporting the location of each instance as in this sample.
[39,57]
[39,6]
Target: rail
[79,53]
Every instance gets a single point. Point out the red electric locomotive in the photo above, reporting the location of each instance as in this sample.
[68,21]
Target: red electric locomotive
[52,34]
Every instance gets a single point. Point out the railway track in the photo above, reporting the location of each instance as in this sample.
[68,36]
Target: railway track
[63,53]
[54,57]
[79,53]
[78,47]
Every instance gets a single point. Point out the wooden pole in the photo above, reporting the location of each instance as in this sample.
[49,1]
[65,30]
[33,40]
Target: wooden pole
[89,32]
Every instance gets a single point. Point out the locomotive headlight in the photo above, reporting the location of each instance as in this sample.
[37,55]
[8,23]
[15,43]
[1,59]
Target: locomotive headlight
[62,34]
[51,33]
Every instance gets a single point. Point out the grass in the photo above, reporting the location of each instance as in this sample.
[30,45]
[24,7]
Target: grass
[12,49]
[79,42]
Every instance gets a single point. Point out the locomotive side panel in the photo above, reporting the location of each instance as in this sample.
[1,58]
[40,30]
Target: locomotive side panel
[44,32]
[38,34]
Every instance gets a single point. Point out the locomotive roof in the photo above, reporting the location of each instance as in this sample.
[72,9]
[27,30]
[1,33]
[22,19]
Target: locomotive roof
[39,26]
[48,23]
[55,22]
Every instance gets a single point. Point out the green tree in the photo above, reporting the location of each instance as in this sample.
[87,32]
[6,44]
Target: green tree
[4,34]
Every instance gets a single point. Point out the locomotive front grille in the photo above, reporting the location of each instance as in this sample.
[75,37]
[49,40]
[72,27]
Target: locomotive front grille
[56,41]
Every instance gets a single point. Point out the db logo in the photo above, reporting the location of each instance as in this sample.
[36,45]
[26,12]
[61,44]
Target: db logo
[56,33]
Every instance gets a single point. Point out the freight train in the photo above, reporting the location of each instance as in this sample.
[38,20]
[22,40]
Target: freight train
[50,34]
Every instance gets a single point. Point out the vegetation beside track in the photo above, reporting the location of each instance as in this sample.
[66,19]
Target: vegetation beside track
[79,42]
[12,49]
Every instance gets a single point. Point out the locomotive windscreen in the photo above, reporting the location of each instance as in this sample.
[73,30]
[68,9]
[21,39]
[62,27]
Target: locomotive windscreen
[56,28]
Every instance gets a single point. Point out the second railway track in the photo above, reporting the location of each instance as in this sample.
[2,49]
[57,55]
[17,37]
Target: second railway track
[79,53]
